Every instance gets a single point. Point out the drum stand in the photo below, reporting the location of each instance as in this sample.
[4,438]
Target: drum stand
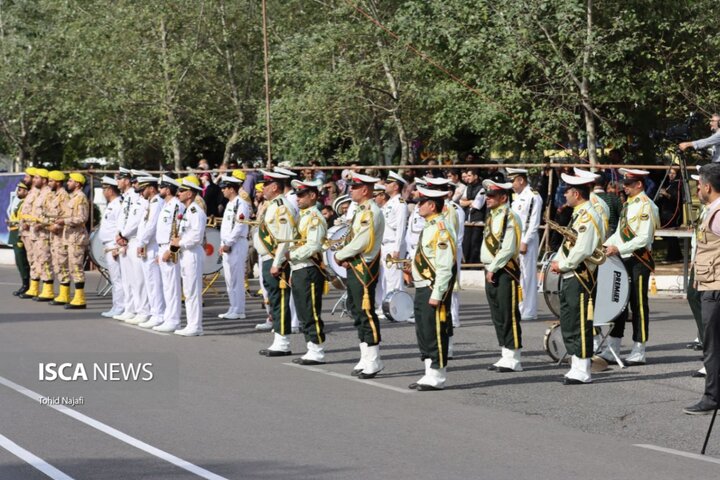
[104,284]
[209,281]
[341,301]
[603,340]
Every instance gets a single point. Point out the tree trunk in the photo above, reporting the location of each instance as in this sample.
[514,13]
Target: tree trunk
[397,120]
[170,100]
[585,89]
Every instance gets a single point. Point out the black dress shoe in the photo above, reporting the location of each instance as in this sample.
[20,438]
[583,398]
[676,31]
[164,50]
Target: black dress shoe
[633,364]
[25,295]
[572,381]
[698,375]
[492,368]
[703,407]
[266,352]
[302,361]
[70,306]
[42,299]
[356,372]
[58,303]
[366,376]
[427,388]
[698,347]
[413,386]
[504,370]
[694,346]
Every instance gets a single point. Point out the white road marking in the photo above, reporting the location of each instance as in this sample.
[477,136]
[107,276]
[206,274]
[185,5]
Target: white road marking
[680,453]
[32,459]
[132,441]
[351,378]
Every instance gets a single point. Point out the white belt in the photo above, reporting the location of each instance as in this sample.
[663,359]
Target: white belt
[422,283]
[266,257]
[301,265]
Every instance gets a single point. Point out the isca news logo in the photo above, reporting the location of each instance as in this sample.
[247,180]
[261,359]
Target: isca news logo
[105,372]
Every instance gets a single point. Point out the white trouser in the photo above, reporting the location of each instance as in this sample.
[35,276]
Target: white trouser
[126,270]
[191,268]
[153,282]
[528,281]
[170,273]
[118,291]
[234,272]
[137,279]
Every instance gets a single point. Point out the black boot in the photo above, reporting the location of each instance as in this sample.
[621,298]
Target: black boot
[23,288]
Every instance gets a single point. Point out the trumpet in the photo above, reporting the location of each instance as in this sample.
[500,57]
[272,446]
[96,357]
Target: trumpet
[598,255]
[333,244]
[390,261]
[250,222]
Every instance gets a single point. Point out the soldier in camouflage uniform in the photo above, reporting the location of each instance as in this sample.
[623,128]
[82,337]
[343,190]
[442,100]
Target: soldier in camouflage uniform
[56,205]
[42,264]
[76,238]
[26,234]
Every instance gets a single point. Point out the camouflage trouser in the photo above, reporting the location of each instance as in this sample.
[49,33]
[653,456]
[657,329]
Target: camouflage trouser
[27,240]
[43,258]
[60,259]
[76,246]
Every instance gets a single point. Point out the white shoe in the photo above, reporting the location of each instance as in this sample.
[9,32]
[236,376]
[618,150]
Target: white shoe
[165,328]
[510,361]
[373,362]
[188,333]
[315,353]
[153,322]
[111,313]
[637,355]
[264,327]
[232,316]
[138,319]
[411,320]
[124,316]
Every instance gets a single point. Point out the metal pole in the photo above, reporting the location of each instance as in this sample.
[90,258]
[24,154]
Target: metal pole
[267,83]
[707,437]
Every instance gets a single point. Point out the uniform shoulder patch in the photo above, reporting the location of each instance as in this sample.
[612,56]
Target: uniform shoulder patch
[637,200]
[400,200]
[582,228]
[644,216]
[442,245]
[193,209]
[154,200]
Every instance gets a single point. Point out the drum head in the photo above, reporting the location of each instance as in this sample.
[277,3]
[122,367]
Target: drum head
[213,261]
[613,290]
[551,287]
[398,306]
[336,233]
[97,250]
[553,343]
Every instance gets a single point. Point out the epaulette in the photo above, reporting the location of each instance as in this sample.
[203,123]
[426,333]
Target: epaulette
[365,218]
[154,200]
[244,195]
[193,209]
[278,202]
[441,226]
[400,200]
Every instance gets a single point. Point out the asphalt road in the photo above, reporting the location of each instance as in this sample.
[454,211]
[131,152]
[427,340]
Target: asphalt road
[216,409]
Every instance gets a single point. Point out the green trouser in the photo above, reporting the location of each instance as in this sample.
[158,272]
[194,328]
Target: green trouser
[693,298]
[21,261]
[307,290]
[366,321]
[432,331]
[279,298]
[577,329]
[502,296]
[639,277]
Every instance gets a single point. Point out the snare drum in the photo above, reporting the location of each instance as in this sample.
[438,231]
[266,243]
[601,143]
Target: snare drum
[212,262]
[553,342]
[398,306]
[97,250]
[551,282]
[339,273]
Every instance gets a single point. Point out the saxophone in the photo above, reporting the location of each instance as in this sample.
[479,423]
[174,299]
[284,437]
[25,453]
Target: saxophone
[173,235]
[598,255]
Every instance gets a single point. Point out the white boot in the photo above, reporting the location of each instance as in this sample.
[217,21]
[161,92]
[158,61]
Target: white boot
[373,363]
[510,361]
[579,371]
[315,353]
[434,378]
[615,344]
[281,343]
[425,378]
[360,366]
[637,355]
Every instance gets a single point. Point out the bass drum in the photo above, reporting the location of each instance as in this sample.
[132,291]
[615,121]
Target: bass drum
[551,287]
[213,260]
[613,291]
[398,306]
[339,274]
[97,250]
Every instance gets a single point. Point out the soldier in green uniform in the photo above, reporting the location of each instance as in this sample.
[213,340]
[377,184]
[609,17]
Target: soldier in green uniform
[308,271]
[579,277]
[277,224]
[361,257]
[499,252]
[14,239]
[633,242]
[433,270]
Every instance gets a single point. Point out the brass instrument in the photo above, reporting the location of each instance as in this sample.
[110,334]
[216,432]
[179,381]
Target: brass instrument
[249,222]
[142,253]
[390,261]
[598,255]
[334,245]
